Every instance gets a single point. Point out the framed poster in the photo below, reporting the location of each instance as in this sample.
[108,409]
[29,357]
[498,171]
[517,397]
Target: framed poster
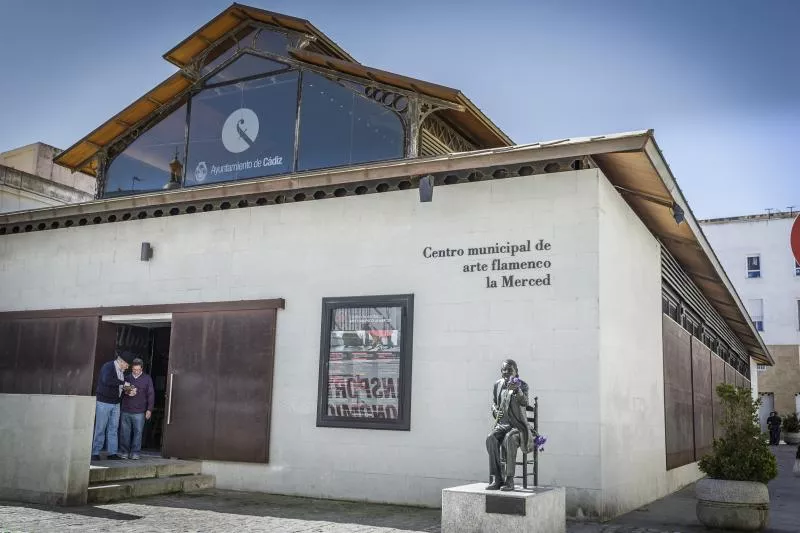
[365,362]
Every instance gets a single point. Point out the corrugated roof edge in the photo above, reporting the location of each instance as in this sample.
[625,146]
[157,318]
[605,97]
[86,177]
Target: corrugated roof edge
[656,156]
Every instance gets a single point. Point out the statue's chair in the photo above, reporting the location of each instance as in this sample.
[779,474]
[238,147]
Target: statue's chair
[530,461]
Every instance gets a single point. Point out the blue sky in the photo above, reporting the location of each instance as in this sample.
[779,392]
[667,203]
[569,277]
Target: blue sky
[718,80]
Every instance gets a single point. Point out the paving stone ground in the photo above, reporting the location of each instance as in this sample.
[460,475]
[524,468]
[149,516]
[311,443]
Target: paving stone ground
[220,511]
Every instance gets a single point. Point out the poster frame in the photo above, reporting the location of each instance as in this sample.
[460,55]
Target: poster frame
[330,304]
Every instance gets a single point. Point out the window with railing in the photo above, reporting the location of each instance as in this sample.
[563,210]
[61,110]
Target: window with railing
[755,307]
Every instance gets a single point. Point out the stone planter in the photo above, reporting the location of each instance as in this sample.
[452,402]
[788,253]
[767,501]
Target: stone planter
[791,438]
[732,505]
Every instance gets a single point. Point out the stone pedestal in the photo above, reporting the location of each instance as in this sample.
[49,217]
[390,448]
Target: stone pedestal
[472,509]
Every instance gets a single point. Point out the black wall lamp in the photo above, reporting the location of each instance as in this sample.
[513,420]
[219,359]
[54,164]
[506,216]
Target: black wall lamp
[147,252]
[426,188]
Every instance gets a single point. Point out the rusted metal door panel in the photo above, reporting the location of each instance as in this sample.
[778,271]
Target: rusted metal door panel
[730,375]
[678,409]
[104,350]
[703,399]
[717,378]
[73,364]
[191,385]
[220,385]
[9,340]
[244,386]
[35,355]
[48,355]
[739,380]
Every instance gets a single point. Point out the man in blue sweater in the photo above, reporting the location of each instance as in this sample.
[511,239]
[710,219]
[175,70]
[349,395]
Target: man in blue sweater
[137,406]
[110,385]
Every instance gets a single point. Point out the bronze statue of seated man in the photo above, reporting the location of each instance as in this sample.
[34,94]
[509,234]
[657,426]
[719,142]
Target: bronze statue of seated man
[511,429]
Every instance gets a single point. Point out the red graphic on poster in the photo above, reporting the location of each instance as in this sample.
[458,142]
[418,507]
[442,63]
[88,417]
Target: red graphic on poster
[364,363]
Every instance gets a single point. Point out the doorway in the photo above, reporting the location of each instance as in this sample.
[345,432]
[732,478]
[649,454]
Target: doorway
[148,338]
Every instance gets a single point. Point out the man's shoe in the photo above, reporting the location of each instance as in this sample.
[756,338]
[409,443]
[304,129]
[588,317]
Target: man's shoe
[136,456]
[508,485]
[496,484]
[123,455]
[96,458]
[114,457]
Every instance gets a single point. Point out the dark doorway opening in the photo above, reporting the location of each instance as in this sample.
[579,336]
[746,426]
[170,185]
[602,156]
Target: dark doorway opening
[150,343]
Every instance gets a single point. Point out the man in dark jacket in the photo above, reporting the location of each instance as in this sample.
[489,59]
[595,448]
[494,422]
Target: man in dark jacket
[110,384]
[137,406]
[774,425]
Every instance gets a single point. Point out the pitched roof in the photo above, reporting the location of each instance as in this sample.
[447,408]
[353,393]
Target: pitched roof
[467,119]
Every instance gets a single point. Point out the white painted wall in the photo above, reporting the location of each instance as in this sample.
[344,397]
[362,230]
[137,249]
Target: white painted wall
[368,245]
[12,199]
[754,378]
[37,159]
[778,286]
[631,359]
[45,444]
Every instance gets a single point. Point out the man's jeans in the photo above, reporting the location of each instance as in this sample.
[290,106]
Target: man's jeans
[106,427]
[131,434]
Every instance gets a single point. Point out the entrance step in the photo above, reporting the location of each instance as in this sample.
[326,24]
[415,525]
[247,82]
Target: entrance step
[106,492]
[147,467]
[111,481]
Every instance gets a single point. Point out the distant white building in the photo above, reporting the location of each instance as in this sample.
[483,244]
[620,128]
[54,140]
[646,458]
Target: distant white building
[755,252]
[29,179]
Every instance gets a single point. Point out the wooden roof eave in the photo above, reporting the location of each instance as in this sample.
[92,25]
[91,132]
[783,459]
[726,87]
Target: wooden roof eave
[758,350]
[79,156]
[235,14]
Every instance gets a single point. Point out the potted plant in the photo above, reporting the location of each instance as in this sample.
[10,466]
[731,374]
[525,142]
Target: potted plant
[734,496]
[797,463]
[791,429]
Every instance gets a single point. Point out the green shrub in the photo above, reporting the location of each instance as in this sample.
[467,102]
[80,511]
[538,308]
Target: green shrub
[791,424]
[742,454]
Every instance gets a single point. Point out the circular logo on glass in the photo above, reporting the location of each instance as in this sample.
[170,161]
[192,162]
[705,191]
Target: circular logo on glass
[240,130]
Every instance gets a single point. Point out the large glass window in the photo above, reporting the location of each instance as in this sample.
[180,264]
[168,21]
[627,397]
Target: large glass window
[219,55]
[244,66]
[243,123]
[341,127]
[145,164]
[272,41]
[243,130]
[365,364]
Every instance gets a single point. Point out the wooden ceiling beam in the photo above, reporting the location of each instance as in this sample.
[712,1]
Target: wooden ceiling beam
[678,240]
[666,202]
